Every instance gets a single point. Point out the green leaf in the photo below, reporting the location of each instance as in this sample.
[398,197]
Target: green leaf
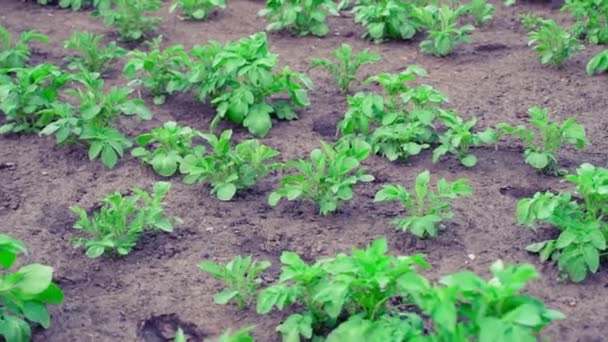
[34,279]
[37,312]
[537,160]
[225,296]
[226,191]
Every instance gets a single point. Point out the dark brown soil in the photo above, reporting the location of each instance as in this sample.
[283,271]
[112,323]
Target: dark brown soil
[142,297]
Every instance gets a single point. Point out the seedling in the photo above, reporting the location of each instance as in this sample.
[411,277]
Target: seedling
[228,170]
[242,335]
[441,24]
[161,72]
[198,9]
[242,279]
[591,19]
[121,220]
[328,178]
[301,17]
[426,209]
[170,143]
[599,63]
[76,5]
[240,80]
[24,294]
[386,19]
[481,11]
[91,55]
[346,67]
[26,95]
[541,147]
[130,18]
[17,55]
[553,44]
[458,139]
[582,240]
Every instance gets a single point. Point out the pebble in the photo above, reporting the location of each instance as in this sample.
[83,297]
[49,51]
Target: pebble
[471,256]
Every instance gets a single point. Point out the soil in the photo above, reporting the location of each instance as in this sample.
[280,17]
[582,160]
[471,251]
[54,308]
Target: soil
[143,296]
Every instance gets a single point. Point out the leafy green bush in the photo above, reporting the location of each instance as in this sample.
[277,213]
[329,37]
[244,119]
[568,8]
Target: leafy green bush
[24,294]
[553,44]
[591,19]
[599,63]
[579,217]
[91,56]
[161,72]
[24,97]
[77,4]
[170,143]
[386,19]
[16,55]
[426,209]
[228,169]
[121,220]
[328,178]
[300,17]
[441,24]
[541,147]
[346,67]
[480,10]
[241,276]
[198,9]
[239,79]
[242,335]
[130,18]
[372,296]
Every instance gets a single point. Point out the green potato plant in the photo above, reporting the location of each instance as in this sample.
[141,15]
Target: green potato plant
[350,297]
[91,55]
[130,18]
[198,9]
[301,17]
[240,78]
[327,179]
[591,19]
[599,63]
[76,5]
[228,169]
[441,24]
[458,138]
[347,65]
[161,72]
[553,44]
[427,209]
[578,215]
[386,19]
[24,97]
[481,11]
[24,293]
[17,55]
[170,143]
[122,219]
[241,276]
[242,335]
[541,147]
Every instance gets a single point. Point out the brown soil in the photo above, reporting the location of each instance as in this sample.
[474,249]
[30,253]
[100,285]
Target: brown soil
[143,296]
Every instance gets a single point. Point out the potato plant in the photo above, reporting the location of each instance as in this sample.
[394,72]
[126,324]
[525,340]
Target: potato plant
[241,335]
[17,54]
[228,169]
[239,79]
[130,18]
[553,44]
[599,63]
[349,298]
[301,17]
[444,32]
[480,10]
[327,179]
[591,19]
[541,147]
[241,276]
[24,293]
[198,9]
[24,97]
[170,144]
[91,55]
[161,71]
[427,209]
[347,65]
[578,215]
[122,219]
[386,19]
[76,5]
